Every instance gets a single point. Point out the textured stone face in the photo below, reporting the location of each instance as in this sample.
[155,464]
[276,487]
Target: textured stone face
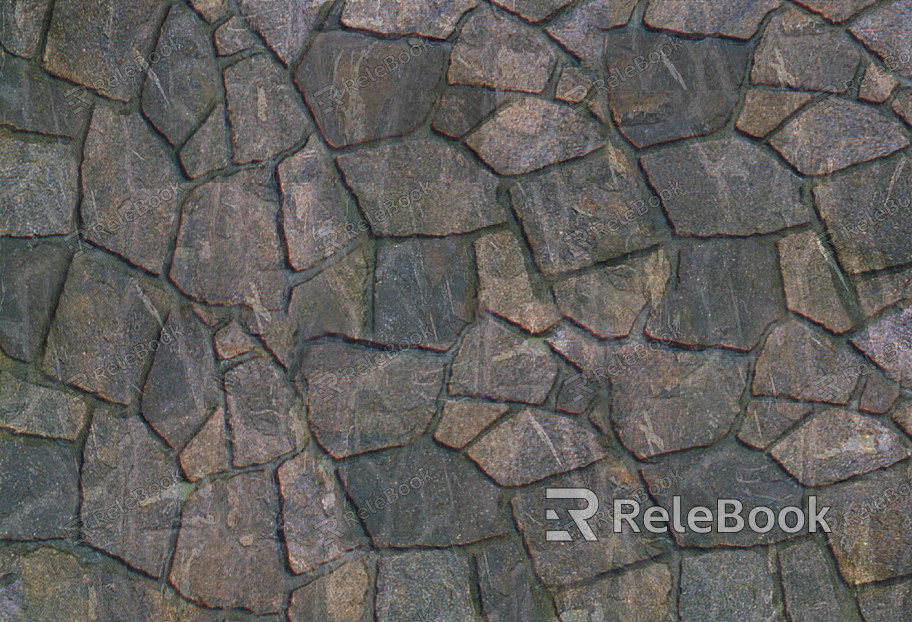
[766,421]
[462,108]
[207,149]
[207,452]
[731,585]
[435,584]
[887,32]
[533,10]
[582,30]
[430,19]
[809,593]
[881,603]
[344,595]
[31,409]
[504,584]
[763,111]
[22,26]
[888,342]
[836,10]
[462,421]
[739,19]
[642,595]
[283,24]
[31,102]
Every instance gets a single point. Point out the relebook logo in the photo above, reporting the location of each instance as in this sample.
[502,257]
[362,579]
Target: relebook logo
[726,519]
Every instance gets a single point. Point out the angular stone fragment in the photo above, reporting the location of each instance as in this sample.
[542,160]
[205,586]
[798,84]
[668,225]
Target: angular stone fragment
[799,53]
[883,290]
[883,603]
[582,30]
[30,102]
[646,594]
[575,396]
[232,341]
[265,414]
[868,213]
[107,323]
[887,32]
[496,363]
[233,36]
[494,51]
[810,289]
[423,287]
[836,10]
[726,294]
[228,249]
[128,512]
[739,19]
[888,342]
[691,89]
[21,26]
[430,19]
[181,87]
[312,507]
[30,278]
[357,94]
[902,105]
[462,421]
[103,45]
[801,363]
[284,24]
[363,399]
[265,113]
[207,150]
[39,490]
[725,187]
[766,421]
[344,595]
[461,109]
[504,583]
[207,452]
[505,286]
[763,111]
[879,394]
[728,585]
[227,553]
[835,134]
[32,409]
[533,10]
[38,188]
[574,84]
[809,590]
[836,445]
[724,472]
[431,498]
[531,134]
[877,84]
[434,585]
[318,214]
[587,212]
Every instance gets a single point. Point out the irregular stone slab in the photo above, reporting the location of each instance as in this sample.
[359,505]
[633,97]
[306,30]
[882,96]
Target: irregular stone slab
[691,90]
[809,590]
[422,186]
[103,45]
[232,341]
[505,286]
[804,364]
[362,399]
[836,445]
[437,20]
[265,113]
[496,52]
[888,342]
[344,595]
[887,32]
[227,554]
[357,94]
[128,512]
[709,189]
[461,109]
[211,10]
[587,212]
[32,409]
[836,10]
[582,30]
[228,249]
[38,187]
[130,197]
[434,584]
[881,603]
[422,496]
[739,19]
[871,541]
[30,102]
[877,85]
[531,134]
[728,585]
[182,86]
[727,472]
[574,84]
[902,105]
[810,289]
[498,364]
[561,563]
[867,213]
[763,111]
[312,507]
[642,595]
[318,214]
[575,396]
[462,421]
[766,421]
[883,290]
[39,490]
[284,25]
[207,150]
[726,294]
[835,134]
[504,583]
[107,323]
[21,26]
[265,416]
[31,274]
[423,285]
[879,394]
[533,10]
[797,52]
[207,452]
[233,37]
[533,446]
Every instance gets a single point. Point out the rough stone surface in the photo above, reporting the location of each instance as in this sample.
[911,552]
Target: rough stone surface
[739,19]
[423,187]
[887,32]
[877,84]
[31,102]
[531,134]
[582,30]
[881,603]
[211,10]
[533,10]
[21,26]
[836,10]
[207,452]
[32,409]
[765,421]
[429,19]
[344,595]
[879,394]
[232,341]
[233,36]
[809,592]
[434,585]
[883,290]
[902,105]
[643,595]
[462,421]
[888,342]
[207,149]
[728,585]
[504,584]
[763,111]
[283,24]
[462,108]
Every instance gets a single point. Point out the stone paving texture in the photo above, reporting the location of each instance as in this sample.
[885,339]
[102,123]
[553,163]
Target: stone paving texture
[305,305]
